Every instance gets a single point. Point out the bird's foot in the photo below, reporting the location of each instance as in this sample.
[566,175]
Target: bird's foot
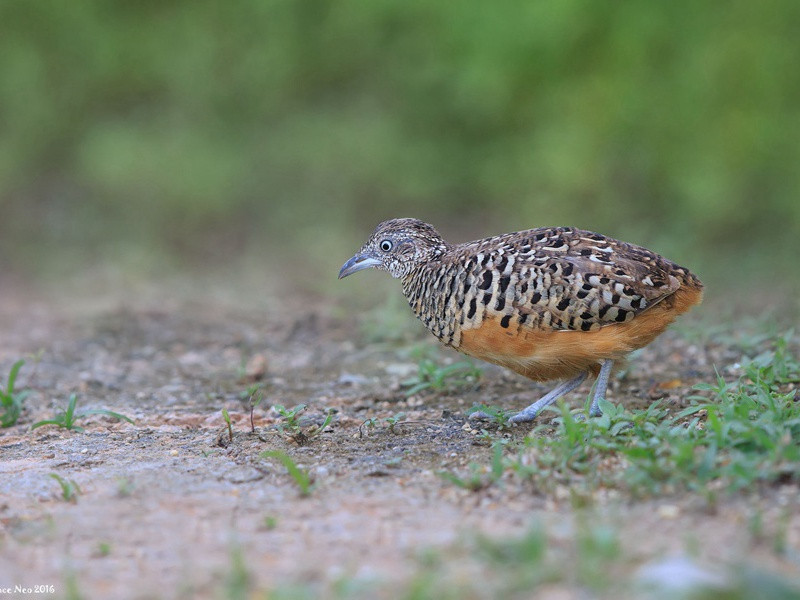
[489,413]
[524,416]
[480,415]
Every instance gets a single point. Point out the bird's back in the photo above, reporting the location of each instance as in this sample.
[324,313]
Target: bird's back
[549,302]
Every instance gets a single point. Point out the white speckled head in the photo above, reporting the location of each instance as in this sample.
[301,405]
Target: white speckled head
[397,246]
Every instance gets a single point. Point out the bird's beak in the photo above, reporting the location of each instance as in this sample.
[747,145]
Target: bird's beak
[358,263]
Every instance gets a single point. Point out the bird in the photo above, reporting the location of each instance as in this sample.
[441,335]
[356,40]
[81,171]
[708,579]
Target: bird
[551,303]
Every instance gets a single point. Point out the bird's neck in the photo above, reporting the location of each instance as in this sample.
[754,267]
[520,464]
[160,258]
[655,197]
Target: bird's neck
[428,295]
[414,281]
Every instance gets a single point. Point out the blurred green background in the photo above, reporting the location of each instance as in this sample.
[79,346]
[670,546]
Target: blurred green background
[158,135]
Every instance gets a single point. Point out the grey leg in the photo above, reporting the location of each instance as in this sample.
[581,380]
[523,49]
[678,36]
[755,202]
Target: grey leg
[600,388]
[529,413]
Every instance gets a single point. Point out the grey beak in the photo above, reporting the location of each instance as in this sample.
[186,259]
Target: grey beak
[358,263]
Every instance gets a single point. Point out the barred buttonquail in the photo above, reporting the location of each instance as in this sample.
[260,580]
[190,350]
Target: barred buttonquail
[549,303]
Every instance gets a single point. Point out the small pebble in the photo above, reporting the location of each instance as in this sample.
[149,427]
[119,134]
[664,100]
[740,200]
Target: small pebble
[256,367]
[173,452]
[668,511]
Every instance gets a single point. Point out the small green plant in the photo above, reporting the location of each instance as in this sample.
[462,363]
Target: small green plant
[11,400]
[598,547]
[254,396]
[325,423]
[71,589]
[239,580]
[589,558]
[370,423]
[67,418]
[291,428]
[390,422]
[290,425]
[300,477]
[69,489]
[528,551]
[394,420]
[227,419]
[125,487]
[103,549]
[775,366]
[432,376]
[479,477]
[270,522]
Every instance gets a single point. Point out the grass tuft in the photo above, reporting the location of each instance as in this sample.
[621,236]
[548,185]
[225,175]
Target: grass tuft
[479,477]
[290,425]
[69,489]
[11,400]
[68,418]
[300,477]
[227,418]
[733,435]
[433,376]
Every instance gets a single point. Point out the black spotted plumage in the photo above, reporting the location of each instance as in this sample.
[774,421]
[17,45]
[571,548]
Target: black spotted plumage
[559,277]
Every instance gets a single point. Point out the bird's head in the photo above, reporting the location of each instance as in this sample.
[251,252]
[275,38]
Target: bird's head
[397,246]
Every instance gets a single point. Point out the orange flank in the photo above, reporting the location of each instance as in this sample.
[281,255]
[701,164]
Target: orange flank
[543,355]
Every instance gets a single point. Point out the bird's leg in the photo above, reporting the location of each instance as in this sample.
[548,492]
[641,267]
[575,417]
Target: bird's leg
[600,388]
[529,413]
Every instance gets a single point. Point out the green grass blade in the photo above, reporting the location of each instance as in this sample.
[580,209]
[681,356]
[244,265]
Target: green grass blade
[300,477]
[107,413]
[12,376]
[38,424]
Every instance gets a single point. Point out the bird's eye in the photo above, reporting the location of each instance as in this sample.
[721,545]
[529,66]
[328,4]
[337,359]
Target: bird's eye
[386,245]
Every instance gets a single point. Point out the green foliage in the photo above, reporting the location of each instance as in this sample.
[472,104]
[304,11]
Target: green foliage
[71,589]
[227,418]
[590,563]
[479,477]
[433,376]
[300,477]
[11,400]
[67,419]
[747,432]
[239,581]
[290,425]
[390,422]
[125,487]
[254,395]
[69,489]
[513,565]
[394,420]
[165,119]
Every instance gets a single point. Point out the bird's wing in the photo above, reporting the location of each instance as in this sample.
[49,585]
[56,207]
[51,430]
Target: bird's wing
[569,279]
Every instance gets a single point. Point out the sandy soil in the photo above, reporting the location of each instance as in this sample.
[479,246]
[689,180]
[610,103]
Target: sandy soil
[167,504]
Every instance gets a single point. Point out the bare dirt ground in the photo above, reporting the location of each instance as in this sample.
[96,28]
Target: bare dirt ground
[171,508]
